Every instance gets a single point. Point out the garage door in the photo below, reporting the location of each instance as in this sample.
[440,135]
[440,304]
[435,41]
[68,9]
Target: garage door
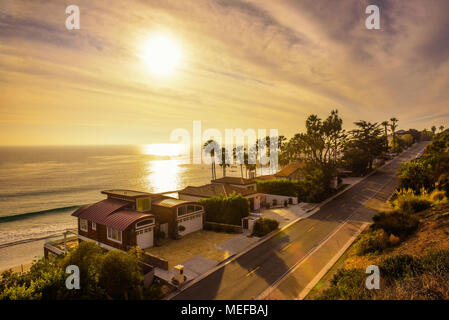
[192,223]
[145,237]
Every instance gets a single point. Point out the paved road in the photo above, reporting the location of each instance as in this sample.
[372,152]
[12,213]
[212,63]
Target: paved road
[252,273]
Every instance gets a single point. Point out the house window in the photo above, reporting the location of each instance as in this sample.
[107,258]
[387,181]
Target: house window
[114,235]
[83,225]
[143,204]
[189,209]
[94,226]
[144,223]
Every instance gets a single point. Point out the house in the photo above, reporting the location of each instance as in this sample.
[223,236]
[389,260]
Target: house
[128,218]
[224,187]
[292,171]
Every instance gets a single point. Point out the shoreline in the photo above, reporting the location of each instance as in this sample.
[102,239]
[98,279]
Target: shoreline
[21,255]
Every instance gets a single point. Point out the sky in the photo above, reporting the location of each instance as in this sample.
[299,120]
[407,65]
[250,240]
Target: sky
[242,64]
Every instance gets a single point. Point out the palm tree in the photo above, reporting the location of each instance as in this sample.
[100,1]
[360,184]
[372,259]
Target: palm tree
[441,128]
[237,151]
[224,163]
[385,125]
[393,127]
[434,129]
[210,146]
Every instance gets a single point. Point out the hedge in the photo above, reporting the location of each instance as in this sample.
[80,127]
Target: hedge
[227,210]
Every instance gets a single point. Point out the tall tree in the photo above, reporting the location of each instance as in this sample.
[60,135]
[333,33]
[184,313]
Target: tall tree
[393,127]
[224,163]
[385,125]
[210,147]
[441,128]
[434,129]
[322,141]
[366,143]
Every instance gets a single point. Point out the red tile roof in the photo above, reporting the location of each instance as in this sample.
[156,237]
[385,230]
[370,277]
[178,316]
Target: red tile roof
[290,168]
[122,219]
[110,212]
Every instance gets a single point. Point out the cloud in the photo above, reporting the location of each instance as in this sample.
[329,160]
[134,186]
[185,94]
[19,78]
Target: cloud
[245,62]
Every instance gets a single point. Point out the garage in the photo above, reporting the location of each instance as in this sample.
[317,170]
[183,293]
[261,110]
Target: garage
[145,234]
[191,223]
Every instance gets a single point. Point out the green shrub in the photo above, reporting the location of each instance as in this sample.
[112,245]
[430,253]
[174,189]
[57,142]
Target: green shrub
[275,202]
[415,175]
[409,202]
[401,266]
[282,187]
[347,285]
[372,242]
[264,226]
[227,210]
[436,262]
[395,222]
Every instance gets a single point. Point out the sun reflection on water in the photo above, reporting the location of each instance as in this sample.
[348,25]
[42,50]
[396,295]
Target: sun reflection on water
[164,175]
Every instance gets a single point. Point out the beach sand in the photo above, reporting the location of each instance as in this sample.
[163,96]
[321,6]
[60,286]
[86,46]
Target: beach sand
[21,255]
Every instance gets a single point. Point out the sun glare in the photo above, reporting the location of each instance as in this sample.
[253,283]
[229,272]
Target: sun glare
[161,54]
[167,149]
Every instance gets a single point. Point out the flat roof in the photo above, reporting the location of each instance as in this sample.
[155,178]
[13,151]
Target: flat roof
[170,202]
[126,193]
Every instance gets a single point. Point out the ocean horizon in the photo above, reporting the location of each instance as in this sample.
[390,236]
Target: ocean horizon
[41,186]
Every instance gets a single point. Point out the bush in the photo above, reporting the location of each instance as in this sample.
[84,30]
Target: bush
[437,196]
[347,285]
[264,226]
[282,187]
[181,228]
[436,262]
[275,202]
[409,202]
[396,223]
[227,210]
[400,266]
[415,175]
[373,242]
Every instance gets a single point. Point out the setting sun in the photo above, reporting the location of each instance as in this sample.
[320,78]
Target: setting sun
[161,54]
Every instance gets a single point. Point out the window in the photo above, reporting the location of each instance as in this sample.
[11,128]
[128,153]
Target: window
[182,210]
[94,226]
[144,223]
[189,209]
[83,225]
[143,204]
[114,235]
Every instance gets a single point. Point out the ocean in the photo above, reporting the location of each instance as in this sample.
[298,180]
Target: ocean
[41,186]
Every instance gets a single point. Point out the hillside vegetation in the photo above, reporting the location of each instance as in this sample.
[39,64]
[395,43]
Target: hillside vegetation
[409,243]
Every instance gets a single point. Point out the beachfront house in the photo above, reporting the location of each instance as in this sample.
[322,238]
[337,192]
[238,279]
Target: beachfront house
[128,218]
[224,187]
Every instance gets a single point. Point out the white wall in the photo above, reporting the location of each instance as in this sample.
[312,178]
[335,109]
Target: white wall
[280,199]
